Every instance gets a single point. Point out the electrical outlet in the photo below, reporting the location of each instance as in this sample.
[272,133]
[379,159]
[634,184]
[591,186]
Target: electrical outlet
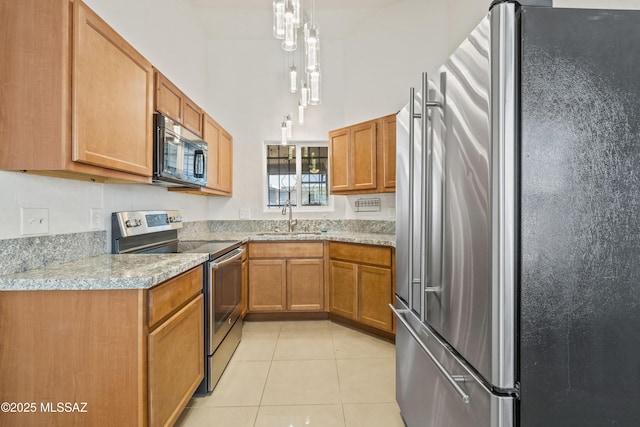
[95,219]
[245,213]
[34,221]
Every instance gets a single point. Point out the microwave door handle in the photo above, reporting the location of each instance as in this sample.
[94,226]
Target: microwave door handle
[198,164]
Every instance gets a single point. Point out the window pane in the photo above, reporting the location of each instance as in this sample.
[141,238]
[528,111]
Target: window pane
[281,174]
[314,186]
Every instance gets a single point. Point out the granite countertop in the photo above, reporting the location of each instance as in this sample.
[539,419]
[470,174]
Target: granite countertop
[131,271]
[143,271]
[337,236]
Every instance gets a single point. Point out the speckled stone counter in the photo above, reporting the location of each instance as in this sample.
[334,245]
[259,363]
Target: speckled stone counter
[130,271]
[337,236]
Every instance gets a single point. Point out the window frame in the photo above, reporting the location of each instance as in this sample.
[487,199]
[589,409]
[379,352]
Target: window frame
[298,207]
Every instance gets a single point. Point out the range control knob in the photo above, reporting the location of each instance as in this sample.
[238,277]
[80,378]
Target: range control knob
[133,223]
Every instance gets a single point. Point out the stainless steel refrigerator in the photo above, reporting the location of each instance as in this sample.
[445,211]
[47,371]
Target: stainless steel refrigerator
[518,226]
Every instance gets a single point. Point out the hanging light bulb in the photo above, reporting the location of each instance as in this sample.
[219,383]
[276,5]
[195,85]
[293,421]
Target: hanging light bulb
[312,45]
[300,113]
[283,133]
[293,79]
[297,13]
[290,34]
[314,90]
[278,19]
[289,125]
[304,92]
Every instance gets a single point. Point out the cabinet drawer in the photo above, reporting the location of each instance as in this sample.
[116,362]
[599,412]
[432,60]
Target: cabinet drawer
[169,296]
[286,250]
[176,363]
[365,254]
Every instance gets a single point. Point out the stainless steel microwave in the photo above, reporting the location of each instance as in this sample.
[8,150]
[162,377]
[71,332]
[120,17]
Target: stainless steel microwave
[179,156]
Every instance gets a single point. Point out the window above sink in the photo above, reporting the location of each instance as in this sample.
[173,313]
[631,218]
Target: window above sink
[297,171]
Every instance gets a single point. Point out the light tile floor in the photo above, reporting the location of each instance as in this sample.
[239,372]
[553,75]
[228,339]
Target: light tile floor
[302,374]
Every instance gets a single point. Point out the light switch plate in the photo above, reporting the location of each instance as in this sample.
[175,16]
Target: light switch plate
[34,221]
[95,219]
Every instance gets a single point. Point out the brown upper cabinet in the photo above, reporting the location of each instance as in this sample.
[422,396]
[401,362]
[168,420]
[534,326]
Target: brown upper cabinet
[172,102]
[362,157]
[220,161]
[220,169]
[77,99]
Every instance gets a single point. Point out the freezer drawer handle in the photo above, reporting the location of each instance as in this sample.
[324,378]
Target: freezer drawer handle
[451,379]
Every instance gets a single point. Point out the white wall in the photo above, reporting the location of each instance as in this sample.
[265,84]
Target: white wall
[249,90]
[462,17]
[387,53]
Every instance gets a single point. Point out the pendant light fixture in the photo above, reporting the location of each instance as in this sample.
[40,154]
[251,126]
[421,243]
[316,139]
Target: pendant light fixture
[288,19]
[300,113]
[293,79]
[290,42]
[278,19]
[289,125]
[312,45]
[304,94]
[297,13]
[283,133]
[314,90]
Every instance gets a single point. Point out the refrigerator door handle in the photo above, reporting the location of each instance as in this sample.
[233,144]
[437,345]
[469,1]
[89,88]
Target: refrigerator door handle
[427,184]
[412,117]
[453,380]
[425,270]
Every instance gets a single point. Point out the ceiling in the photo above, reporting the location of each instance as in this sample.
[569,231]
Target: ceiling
[252,19]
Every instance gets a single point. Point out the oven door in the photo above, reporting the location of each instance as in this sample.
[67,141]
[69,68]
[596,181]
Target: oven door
[225,295]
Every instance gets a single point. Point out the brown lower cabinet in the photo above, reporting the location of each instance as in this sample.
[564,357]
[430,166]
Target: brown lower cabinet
[361,284]
[286,276]
[125,357]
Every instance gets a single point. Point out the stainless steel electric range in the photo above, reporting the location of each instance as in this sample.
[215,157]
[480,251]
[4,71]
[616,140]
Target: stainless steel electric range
[157,232]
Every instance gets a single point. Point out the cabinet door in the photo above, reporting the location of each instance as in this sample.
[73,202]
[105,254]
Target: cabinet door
[340,158]
[112,98]
[176,363]
[363,156]
[343,288]
[374,297]
[245,287]
[168,98]
[192,116]
[225,163]
[268,286]
[211,133]
[305,284]
[389,153]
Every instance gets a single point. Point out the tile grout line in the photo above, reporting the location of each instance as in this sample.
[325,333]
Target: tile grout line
[333,339]
[255,421]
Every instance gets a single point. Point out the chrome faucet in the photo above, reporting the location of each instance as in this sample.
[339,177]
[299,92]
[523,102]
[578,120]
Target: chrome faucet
[292,221]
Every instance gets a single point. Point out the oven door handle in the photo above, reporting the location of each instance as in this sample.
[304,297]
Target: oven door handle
[227,258]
